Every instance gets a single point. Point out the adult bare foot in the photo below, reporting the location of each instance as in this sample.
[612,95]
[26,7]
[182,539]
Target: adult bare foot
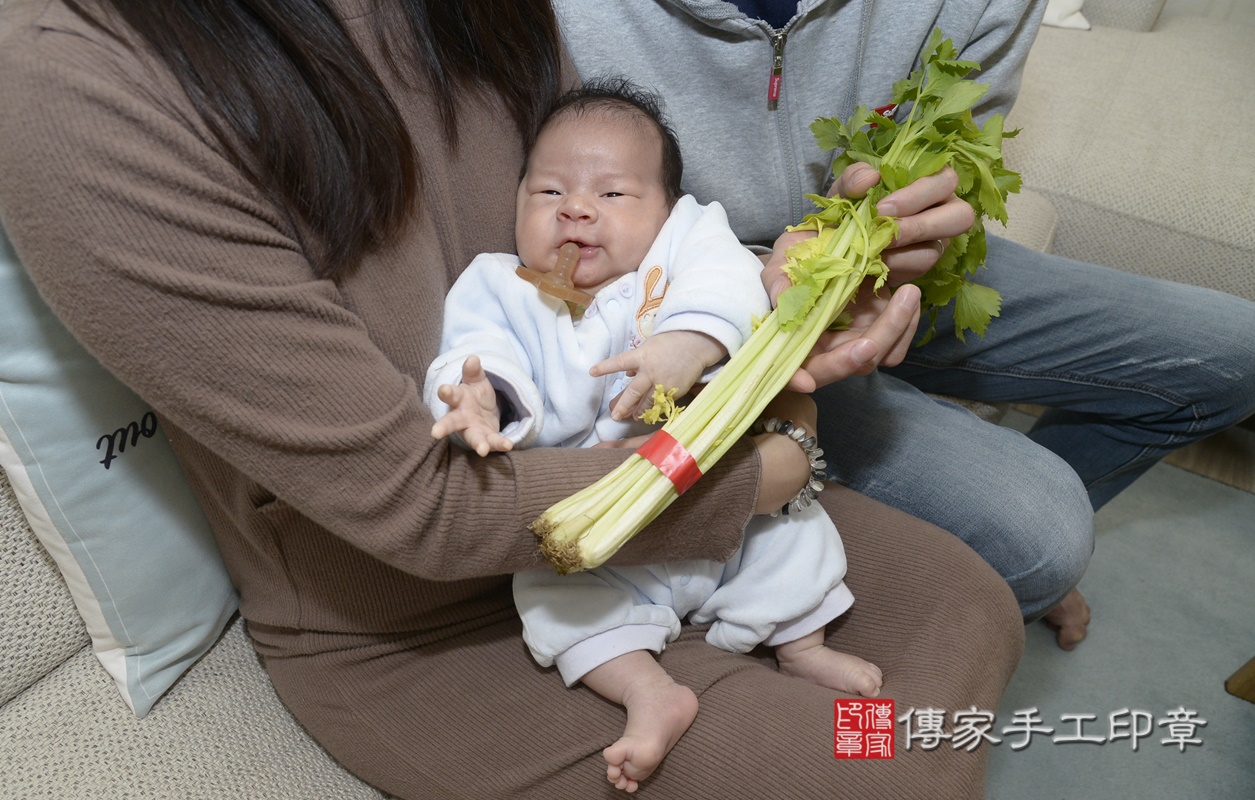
[659,712]
[810,659]
[1070,619]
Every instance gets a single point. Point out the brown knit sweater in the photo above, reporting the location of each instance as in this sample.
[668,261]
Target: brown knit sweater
[291,401]
[372,561]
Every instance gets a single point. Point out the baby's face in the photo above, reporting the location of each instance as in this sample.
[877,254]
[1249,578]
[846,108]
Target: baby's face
[596,180]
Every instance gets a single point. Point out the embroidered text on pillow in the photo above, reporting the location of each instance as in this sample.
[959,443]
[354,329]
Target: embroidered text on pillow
[116,442]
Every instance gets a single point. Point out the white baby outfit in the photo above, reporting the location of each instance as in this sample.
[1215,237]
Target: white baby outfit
[786,580]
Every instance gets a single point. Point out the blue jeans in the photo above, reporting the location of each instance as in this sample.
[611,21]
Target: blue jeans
[1130,368]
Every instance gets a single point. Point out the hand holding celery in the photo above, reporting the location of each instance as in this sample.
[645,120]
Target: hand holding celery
[827,270]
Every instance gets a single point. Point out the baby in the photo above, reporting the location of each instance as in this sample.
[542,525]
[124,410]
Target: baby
[670,293]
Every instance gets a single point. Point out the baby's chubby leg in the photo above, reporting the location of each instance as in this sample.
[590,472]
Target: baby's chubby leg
[809,658]
[659,711]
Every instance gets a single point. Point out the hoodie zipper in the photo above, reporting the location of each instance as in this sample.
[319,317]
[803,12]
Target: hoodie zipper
[777,69]
[785,136]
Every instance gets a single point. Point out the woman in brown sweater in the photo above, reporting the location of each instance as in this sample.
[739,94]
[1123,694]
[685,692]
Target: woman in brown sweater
[251,211]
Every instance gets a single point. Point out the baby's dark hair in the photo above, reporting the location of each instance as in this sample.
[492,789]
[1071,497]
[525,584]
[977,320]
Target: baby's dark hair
[617,95]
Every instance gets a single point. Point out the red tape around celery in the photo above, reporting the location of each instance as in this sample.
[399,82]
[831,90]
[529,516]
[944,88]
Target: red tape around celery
[671,459]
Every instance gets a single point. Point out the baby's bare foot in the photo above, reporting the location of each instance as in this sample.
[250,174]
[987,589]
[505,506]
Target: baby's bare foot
[813,661]
[1070,619]
[659,712]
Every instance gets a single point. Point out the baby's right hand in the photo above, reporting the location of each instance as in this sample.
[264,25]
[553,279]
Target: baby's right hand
[675,359]
[473,411]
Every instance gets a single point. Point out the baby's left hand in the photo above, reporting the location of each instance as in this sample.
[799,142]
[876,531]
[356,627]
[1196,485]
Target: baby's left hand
[473,411]
[675,359]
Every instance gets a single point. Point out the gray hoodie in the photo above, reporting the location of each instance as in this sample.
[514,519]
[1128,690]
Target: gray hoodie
[713,66]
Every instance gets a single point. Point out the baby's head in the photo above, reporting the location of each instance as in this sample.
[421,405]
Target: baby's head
[603,171]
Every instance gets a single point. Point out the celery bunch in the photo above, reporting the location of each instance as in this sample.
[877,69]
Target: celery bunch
[939,131]
[827,270]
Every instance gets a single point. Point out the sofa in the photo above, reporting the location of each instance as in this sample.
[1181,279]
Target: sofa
[65,732]
[1143,141]
[1107,178]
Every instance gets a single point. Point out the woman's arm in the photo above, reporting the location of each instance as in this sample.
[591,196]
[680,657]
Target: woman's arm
[786,466]
[192,289]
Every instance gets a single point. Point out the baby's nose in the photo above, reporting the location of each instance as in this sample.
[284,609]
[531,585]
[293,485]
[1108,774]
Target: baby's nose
[577,208]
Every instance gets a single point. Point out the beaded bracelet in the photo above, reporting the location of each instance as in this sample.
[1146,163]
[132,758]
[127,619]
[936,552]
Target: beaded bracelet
[814,455]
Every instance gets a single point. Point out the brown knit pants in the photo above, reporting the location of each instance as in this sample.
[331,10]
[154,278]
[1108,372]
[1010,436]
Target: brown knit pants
[477,718]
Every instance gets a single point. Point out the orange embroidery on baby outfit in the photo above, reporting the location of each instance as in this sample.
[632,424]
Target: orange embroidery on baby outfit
[649,305]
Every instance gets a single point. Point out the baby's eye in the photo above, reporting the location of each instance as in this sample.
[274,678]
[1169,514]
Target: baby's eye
[613,194]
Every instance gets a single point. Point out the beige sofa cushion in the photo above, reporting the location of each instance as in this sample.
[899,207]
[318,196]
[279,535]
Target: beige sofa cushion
[221,732]
[1134,15]
[1031,221]
[1115,134]
[40,628]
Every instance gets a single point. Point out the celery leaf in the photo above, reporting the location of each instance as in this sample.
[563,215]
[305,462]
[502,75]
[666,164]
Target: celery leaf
[974,307]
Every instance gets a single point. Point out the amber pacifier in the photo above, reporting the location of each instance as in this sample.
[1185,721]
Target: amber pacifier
[558,283]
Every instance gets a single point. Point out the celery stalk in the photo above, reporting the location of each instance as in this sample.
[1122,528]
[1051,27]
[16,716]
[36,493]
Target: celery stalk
[586,529]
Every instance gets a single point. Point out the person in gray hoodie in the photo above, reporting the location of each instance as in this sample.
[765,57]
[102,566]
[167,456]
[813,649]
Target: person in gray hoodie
[1129,368]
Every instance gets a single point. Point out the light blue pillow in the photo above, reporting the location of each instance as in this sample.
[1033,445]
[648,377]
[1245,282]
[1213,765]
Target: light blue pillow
[102,491]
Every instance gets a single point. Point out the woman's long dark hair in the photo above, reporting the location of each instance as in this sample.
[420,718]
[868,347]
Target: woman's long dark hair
[300,110]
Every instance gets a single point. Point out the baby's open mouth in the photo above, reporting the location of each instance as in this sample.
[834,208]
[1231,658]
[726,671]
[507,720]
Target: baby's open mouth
[586,250]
